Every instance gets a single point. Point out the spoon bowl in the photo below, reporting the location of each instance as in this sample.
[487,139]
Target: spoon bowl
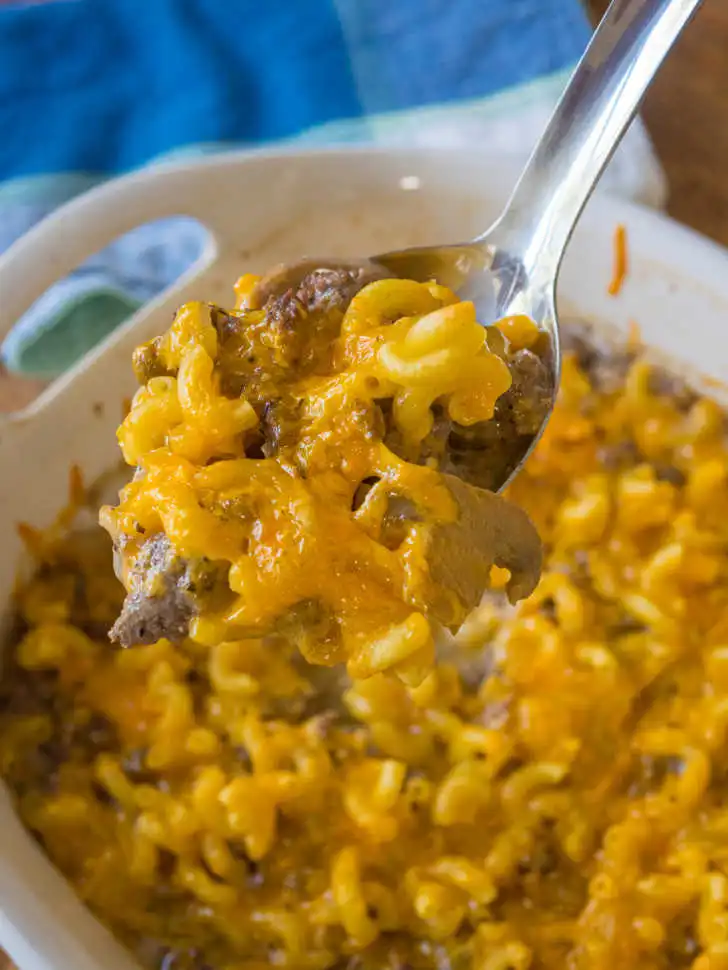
[497,281]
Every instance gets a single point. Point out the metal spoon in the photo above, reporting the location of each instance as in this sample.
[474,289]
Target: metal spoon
[513,266]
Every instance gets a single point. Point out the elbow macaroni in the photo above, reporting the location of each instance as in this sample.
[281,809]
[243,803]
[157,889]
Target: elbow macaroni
[567,811]
[282,526]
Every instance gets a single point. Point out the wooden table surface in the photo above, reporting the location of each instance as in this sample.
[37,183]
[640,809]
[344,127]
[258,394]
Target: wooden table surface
[686,113]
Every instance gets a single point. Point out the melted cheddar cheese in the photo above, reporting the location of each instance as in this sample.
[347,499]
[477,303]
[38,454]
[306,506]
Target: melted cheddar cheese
[265,440]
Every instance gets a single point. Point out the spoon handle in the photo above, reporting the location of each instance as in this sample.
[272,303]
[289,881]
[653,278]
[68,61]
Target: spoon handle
[596,108]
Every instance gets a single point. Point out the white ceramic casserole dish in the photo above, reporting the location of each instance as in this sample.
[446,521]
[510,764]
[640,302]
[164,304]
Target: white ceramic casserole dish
[261,208]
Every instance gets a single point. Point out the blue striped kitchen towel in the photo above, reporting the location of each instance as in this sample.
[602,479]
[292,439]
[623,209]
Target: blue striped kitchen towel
[91,88]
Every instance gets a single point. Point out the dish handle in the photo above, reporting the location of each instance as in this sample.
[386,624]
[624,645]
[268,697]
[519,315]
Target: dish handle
[84,226]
